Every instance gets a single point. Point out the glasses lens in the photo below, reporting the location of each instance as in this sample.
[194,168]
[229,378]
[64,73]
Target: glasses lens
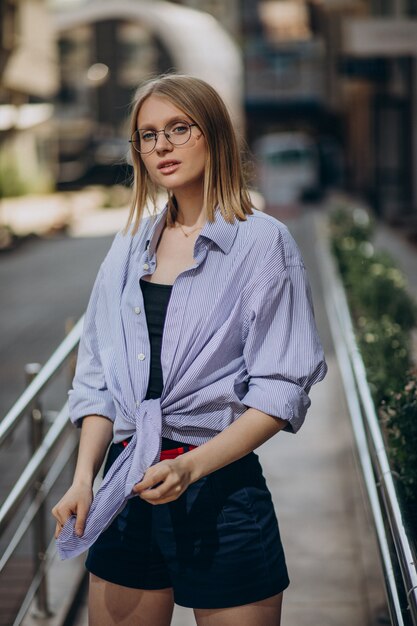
[147,140]
[136,143]
[178,132]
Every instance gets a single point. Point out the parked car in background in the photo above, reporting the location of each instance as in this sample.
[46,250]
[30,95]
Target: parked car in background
[288,169]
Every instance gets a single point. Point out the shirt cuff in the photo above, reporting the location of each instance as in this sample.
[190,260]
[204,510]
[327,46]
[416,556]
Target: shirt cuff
[97,403]
[278,398]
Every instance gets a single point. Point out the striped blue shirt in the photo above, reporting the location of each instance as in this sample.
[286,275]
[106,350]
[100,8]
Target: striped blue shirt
[239,332]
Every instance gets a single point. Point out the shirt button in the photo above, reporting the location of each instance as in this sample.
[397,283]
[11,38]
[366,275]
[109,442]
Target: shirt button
[146,266]
[141,356]
[137,310]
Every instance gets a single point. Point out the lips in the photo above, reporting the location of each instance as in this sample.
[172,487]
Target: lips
[168,166]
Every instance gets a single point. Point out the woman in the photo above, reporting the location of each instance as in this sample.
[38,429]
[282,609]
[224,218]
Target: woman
[199,344]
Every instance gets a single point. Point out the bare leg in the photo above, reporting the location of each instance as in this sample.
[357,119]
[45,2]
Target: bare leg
[114,605]
[263,613]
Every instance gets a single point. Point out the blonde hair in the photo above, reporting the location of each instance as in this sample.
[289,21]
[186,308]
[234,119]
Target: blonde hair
[224,184]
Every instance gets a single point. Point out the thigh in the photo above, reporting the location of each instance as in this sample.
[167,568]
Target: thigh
[115,605]
[263,613]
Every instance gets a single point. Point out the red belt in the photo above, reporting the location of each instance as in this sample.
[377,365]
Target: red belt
[172,453]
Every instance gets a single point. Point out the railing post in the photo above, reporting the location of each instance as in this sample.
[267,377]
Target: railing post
[39,523]
[72,363]
[72,359]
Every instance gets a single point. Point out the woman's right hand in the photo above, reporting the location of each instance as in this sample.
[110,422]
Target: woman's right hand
[76,501]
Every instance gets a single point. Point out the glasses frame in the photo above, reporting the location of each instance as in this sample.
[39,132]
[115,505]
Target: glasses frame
[163,130]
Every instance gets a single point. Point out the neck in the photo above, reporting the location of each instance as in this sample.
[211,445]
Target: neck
[190,211]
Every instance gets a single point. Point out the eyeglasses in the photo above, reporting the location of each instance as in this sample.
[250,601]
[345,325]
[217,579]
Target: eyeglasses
[177,133]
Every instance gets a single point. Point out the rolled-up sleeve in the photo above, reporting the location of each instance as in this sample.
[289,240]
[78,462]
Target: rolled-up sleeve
[282,351]
[89,394]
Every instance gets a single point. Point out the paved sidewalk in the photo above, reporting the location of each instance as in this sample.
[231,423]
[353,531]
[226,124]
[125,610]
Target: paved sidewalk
[80,213]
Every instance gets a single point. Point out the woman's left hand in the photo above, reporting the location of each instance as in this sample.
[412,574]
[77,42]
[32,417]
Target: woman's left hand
[164,482]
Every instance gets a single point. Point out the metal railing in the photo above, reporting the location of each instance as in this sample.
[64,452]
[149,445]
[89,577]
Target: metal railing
[50,455]
[398,556]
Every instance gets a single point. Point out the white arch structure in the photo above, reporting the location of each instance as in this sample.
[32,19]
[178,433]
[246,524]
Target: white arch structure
[196,42]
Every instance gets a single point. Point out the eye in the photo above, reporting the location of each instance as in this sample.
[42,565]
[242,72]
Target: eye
[147,135]
[179,128]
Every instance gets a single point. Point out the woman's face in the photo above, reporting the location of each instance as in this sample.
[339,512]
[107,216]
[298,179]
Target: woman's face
[177,168]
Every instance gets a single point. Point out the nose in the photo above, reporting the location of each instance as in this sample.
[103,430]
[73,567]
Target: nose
[164,144]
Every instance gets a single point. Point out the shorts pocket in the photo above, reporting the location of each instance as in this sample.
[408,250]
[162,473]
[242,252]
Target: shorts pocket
[231,496]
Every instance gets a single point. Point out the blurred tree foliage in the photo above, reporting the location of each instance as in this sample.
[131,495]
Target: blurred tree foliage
[11,183]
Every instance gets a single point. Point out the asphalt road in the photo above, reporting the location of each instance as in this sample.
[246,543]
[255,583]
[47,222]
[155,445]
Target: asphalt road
[42,284]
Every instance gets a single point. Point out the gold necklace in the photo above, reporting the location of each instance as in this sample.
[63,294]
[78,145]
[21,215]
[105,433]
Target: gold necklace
[191,231]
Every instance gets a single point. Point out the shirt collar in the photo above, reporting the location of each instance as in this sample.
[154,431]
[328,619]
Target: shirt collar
[155,231]
[222,233]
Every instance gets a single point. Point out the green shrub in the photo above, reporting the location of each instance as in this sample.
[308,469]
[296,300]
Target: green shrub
[355,223]
[381,291]
[399,417]
[384,314]
[377,287]
[384,346]
[381,307]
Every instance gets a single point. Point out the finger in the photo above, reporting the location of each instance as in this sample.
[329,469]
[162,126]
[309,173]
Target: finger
[55,514]
[139,488]
[57,517]
[62,517]
[152,499]
[152,478]
[80,521]
[58,529]
[148,496]
[168,489]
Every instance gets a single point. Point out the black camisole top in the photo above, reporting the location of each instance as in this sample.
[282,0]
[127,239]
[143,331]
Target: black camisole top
[155,299]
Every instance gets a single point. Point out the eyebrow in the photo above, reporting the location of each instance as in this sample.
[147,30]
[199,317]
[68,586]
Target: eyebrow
[171,120]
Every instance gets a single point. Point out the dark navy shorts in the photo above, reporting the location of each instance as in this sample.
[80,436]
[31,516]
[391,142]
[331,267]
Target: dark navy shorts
[217,546]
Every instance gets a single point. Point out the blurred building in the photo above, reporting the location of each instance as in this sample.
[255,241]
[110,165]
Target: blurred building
[106,50]
[102,62]
[372,82]
[28,82]
[285,81]
[287,95]
[226,13]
